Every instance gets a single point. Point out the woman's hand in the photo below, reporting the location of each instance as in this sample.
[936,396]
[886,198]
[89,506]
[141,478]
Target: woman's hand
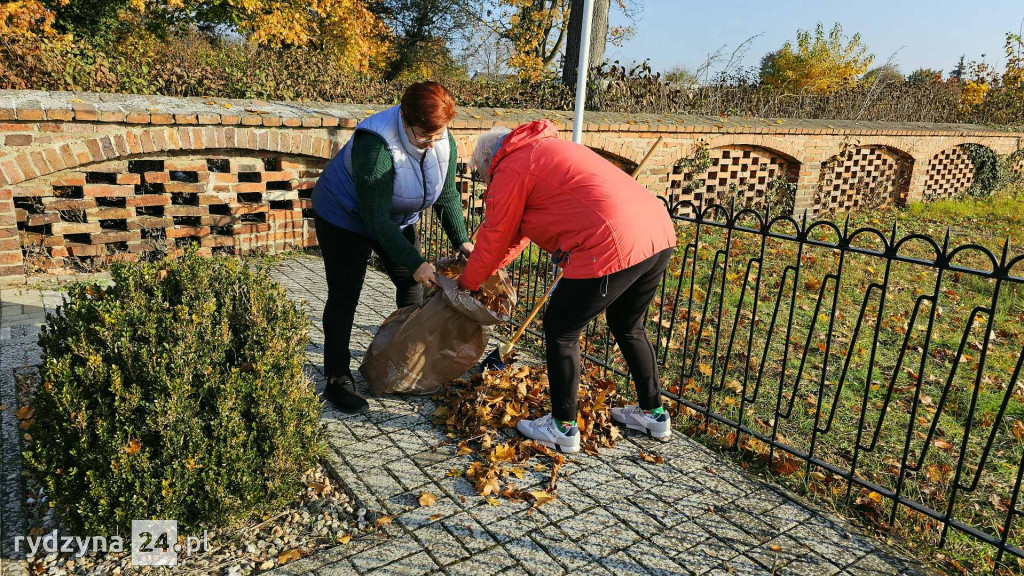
[425,274]
[466,249]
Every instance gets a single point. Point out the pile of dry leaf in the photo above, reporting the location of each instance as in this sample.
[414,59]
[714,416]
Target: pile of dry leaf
[493,293]
[475,410]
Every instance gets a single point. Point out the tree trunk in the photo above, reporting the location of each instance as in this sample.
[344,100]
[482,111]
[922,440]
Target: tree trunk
[598,37]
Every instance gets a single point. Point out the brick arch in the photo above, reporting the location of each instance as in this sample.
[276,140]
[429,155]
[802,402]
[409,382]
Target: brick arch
[167,193]
[39,162]
[744,174]
[951,172]
[863,176]
[778,146]
[619,152]
[1016,162]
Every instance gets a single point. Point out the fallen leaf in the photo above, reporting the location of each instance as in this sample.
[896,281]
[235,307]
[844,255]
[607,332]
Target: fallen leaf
[775,548]
[652,458]
[494,501]
[540,497]
[345,539]
[435,517]
[383,521]
[427,499]
[704,369]
[289,556]
[24,413]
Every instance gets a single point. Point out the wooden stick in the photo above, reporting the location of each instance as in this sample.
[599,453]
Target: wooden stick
[650,153]
[533,314]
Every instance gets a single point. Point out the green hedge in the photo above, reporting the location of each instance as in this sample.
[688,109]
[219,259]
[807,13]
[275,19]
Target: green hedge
[178,392]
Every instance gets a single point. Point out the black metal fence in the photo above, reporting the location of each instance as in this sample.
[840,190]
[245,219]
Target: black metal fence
[876,369]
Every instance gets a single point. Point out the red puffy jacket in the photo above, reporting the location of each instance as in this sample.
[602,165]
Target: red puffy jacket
[568,200]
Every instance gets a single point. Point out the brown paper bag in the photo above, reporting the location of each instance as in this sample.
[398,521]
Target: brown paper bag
[420,348]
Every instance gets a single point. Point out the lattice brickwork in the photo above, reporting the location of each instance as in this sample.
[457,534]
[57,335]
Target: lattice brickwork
[233,204]
[863,177]
[950,173]
[1017,163]
[743,173]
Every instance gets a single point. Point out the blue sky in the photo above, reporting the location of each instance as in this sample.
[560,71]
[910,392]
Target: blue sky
[932,33]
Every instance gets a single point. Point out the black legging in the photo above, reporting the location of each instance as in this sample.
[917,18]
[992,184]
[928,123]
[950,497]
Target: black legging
[346,255]
[625,295]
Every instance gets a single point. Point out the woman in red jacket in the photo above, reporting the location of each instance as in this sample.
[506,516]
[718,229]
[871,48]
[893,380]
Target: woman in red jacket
[612,238]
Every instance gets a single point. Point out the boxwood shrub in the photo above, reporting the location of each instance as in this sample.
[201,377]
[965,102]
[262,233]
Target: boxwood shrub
[176,392]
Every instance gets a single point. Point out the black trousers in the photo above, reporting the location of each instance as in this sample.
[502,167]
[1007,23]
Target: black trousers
[346,255]
[624,296]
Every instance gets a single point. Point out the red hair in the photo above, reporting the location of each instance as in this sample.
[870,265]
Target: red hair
[428,106]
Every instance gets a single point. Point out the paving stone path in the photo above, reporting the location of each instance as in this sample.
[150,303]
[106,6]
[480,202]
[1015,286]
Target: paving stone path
[695,514]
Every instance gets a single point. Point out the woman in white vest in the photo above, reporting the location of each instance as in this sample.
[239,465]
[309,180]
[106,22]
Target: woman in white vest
[369,198]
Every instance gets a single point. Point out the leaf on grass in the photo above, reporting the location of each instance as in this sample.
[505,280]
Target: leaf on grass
[734,386]
[1018,429]
[383,521]
[427,499]
[942,444]
[289,556]
[998,503]
[938,473]
[785,465]
[704,369]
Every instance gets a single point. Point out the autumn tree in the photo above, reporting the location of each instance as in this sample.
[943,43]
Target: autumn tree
[347,30]
[925,76]
[424,33]
[819,62]
[537,31]
[598,37]
[886,74]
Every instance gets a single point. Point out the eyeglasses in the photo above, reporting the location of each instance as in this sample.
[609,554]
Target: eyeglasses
[424,141]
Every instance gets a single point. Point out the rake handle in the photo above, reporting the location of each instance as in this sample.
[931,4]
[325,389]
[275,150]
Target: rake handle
[533,314]
[650,154]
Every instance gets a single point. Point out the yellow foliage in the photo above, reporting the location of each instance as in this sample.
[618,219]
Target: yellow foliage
[356,38]
[973,94]
[818,63]
[25,18]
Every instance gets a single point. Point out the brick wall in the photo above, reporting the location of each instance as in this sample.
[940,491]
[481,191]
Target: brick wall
[88,178]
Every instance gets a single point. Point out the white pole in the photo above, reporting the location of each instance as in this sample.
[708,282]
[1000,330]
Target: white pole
[581,72]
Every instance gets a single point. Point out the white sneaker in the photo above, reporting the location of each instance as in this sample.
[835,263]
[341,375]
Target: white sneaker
[545,431]
[634,418]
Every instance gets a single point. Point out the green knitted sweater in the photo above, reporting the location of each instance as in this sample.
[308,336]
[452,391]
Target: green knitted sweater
[375,181]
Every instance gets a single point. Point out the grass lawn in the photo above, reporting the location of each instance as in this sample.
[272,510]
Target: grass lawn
[847,360]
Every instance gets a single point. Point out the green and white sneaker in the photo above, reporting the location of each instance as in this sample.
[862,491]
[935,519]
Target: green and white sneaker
[547,432]
[633,417]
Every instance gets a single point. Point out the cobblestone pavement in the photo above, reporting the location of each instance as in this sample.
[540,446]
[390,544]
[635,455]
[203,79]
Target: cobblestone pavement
[695,514]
